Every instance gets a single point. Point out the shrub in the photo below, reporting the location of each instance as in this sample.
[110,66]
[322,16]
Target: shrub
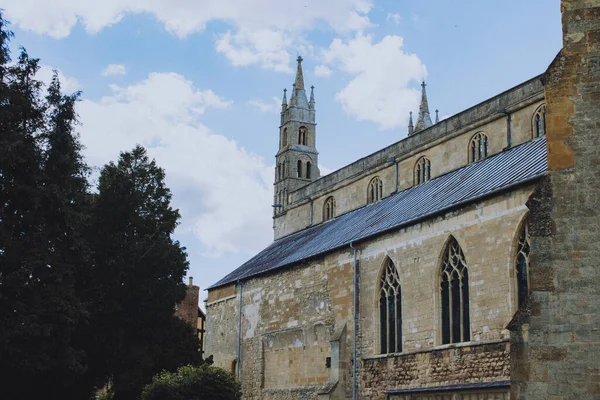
[189,382]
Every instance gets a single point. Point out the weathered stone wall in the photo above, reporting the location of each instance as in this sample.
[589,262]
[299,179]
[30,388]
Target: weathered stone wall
[446,153]
[487,233]
[440,367]
[555,340]
[222,330]
[294,319]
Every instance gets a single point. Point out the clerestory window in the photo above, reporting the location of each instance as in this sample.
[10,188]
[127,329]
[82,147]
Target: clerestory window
[422,170]
[478,148]
[375,190]
[539,122]
[329,209]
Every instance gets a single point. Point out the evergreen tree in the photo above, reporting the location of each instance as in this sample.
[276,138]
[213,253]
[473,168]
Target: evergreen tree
[39,309]
[137,274]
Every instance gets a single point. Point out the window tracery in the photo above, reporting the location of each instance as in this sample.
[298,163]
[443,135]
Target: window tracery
[329,209]
[422,170]
[522,263]
[478,147]
[455,295]
[375,190]
[390,309]
[539,122]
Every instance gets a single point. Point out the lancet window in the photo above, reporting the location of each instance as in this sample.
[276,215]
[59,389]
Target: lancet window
[422,170]
[539,122]
[455,295]
[302,135]
[522,263]
[390,310]
[478,147]
[329,209]
[375,190]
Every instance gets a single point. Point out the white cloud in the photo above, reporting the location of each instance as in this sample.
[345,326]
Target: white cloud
[273,107]
[67,84]
[325,170]
[206,171]
[323,71]
[265,32]
[393,17]
[380,91]
[114,69]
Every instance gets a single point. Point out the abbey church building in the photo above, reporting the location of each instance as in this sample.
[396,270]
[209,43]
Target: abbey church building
[397,275]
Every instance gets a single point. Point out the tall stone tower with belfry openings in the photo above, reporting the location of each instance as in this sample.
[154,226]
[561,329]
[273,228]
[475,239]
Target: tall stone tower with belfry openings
[297,157]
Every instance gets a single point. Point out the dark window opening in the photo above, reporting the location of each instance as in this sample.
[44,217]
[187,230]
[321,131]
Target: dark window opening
[454,291]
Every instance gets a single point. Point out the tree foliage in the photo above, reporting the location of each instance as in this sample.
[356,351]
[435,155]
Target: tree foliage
[136,275]
[203,382]
[88,279]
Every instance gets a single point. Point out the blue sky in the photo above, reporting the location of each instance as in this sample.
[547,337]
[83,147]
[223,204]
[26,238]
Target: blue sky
[198,82]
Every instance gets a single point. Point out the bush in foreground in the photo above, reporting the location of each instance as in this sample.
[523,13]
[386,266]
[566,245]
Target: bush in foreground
[203,382]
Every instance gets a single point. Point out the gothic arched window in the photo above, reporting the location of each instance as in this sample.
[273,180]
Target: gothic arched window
[522,263]
[279,171]
[302,135]
[375,190]
[299,170]
[284,138]
[308,170]
[539,122]
[329,209]
[456,326]
[422,170]
[390,310]
[478,148]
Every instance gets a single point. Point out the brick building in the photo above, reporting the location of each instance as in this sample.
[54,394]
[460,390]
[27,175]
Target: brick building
[189,311]
[399,275]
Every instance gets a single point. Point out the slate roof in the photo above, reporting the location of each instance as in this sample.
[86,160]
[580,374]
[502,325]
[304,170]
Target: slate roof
[497,173]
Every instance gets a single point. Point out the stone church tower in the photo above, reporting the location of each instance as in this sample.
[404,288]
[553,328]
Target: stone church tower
[297,158]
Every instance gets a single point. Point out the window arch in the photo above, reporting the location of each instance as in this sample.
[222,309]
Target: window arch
[308,170]
[478,147]
[422,170]
[302,135]
[538,122]
[279,171]
[454,288]
[299,169]
[284,138]
[390,309]
[329,209]
[522,262]
[375,190]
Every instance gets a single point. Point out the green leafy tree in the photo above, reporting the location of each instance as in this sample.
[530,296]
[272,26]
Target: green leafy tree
[42,185]
[136,277]
[194,383]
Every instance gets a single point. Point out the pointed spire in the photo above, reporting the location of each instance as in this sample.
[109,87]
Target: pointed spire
[424,120]
[311,103]
[293,96]
[437,116]
[410,125]
[284,101]
[299,77]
